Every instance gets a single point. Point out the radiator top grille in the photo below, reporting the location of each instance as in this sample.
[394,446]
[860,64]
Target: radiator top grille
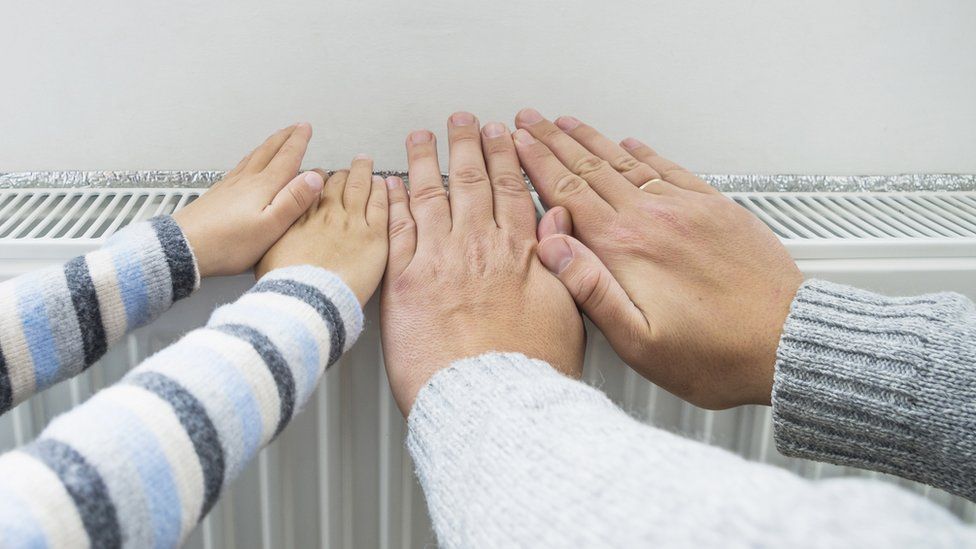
[865,224]
[812,216]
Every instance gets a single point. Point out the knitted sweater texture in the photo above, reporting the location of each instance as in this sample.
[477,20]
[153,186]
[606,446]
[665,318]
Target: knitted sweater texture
[512,454]
[141,462]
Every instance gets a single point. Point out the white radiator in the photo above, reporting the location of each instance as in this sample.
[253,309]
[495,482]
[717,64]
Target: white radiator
[339,475]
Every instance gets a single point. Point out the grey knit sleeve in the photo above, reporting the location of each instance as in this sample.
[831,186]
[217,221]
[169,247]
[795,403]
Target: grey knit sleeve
[880,383]
[511,453]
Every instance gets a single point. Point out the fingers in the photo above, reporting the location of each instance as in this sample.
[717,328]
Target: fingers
[356,192]
[428,199]
[259,157]
[619,159]
[606,181]
[555,221]
[288,160]
[511,200]
[403,231]
[296,197]
[669,171]
[557,186]
[592,286]
[377,207]
[470,189]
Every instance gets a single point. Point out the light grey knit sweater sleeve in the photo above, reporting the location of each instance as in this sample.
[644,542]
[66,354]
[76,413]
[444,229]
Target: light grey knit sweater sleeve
[881,383]
[512,454]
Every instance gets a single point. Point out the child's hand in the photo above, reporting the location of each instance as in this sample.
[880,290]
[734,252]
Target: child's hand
[235,222]
[344,232]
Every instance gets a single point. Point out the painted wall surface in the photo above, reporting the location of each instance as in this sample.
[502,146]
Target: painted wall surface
[840,87]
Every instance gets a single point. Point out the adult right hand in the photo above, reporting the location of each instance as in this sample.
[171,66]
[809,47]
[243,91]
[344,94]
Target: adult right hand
[463,278]
[690,289]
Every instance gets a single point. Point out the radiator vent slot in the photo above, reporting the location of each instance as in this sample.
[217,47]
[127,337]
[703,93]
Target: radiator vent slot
[82,214]
[831,216]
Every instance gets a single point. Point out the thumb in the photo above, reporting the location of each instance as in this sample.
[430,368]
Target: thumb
[555,221]
[592,286]
[300,193]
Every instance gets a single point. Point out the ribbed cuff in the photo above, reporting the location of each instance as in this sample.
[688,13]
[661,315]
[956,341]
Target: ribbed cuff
[878,383]
[176,254]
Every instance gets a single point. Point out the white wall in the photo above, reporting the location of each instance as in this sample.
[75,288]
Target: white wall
[838,86]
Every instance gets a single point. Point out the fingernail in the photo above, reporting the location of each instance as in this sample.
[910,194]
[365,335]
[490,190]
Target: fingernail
[630,143]
[392,182]
[567,123]
[523,137]
[314,181]
[555,254]
[529,116]
[462,119]
[494,129]
[420,136]
[361,156]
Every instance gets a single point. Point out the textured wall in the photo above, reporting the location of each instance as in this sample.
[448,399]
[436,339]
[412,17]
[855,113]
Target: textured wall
[873,86]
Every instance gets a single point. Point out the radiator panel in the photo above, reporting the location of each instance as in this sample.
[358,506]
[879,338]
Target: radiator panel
[339,476]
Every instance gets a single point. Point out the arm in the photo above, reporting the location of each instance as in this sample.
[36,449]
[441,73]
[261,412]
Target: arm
[692,291]
[511,453]
[60,320]
[880,383]
[141,462]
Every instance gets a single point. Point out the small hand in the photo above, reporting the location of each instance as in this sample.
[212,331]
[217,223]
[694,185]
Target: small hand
[463,278]
[689,288]
[231,226]
[343,232]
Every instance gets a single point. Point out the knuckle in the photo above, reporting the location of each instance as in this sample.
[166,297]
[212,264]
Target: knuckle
[377,205]
[589,165]
[401,227]
[591,288]
[549,133]
[420,154]
[300,201]
[466,137]
[397,198]
[494,147]
[428,192]
[509,183]
[569,185]
[625,163]
[469,175]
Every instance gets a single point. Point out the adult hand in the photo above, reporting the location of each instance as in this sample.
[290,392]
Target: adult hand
[231,226]
[343,232]
[463,278]
[690,289]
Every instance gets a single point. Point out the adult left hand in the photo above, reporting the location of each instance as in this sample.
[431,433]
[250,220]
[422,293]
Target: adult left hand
[690,289]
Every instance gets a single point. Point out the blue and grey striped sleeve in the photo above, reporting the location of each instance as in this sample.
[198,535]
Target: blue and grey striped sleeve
[141,462]
[58,321]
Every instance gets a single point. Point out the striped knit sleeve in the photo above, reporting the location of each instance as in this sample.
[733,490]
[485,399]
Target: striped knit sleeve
[57,322]
[141,462]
